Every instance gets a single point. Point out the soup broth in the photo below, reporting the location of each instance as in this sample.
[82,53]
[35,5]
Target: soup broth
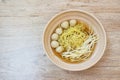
[80,53]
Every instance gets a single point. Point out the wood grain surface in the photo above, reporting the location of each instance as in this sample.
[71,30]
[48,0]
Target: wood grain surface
[21,29]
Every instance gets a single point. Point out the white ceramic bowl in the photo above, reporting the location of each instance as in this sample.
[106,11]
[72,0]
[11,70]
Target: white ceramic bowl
[87,18]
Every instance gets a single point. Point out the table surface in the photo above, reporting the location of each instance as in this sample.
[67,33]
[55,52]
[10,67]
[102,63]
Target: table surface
[21,30]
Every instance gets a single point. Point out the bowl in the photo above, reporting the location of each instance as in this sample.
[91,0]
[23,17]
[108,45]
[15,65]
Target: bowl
[87,18]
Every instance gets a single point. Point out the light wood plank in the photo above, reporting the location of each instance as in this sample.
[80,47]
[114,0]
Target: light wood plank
[21,28]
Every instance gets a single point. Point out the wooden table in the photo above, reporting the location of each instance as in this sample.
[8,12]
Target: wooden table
[21,30]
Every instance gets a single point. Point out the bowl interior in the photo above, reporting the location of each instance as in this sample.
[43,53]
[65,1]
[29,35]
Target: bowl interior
[91,21]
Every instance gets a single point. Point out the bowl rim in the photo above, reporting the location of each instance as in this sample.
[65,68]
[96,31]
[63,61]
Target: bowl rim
[74,10]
